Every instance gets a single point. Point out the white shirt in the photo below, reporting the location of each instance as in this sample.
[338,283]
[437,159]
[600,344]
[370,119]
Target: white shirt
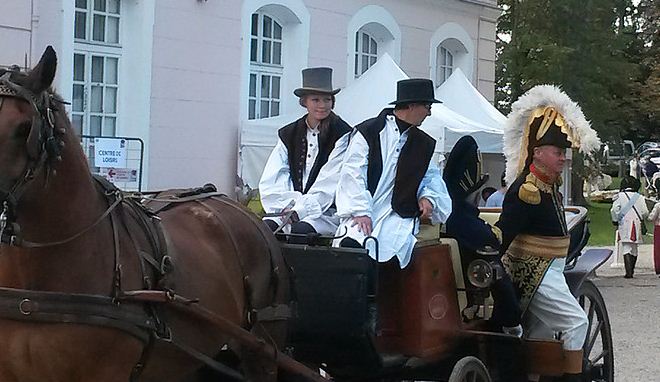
[276,185]
[395,234]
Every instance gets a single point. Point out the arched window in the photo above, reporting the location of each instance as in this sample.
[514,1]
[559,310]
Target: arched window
[445,65]
[366,52]
[451,48]
[375,32]
[266,67]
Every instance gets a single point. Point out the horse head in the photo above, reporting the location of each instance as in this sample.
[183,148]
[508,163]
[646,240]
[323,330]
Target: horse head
[33,129]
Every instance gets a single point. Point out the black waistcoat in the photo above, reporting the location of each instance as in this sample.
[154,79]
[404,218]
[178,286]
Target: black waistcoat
[294,137]
[410,168]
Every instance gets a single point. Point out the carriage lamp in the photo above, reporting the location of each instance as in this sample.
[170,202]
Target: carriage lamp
[480,273]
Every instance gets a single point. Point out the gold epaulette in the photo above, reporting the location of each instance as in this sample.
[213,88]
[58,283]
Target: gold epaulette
[529,192]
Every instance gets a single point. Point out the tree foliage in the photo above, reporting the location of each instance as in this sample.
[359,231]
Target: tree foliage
[593,49]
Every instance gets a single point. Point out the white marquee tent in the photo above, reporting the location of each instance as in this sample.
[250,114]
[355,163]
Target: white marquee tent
[365,98]
[459,95]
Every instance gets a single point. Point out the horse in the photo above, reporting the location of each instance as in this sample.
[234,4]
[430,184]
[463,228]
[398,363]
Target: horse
[73,248]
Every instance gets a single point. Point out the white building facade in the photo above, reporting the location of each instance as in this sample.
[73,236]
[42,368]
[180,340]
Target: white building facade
[182,74]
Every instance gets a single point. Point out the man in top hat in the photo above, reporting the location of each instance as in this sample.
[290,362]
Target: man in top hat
[543,123]
[300,177]
[388,180]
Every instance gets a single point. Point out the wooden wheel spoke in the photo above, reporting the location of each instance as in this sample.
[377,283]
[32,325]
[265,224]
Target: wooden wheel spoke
[593,339]
[590,316]
[599,357]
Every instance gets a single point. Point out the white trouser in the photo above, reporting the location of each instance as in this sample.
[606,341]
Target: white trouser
[553,309]
[326,224]
[628,248]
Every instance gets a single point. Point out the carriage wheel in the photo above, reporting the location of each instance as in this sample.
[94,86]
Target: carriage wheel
[469,369]
[598,349]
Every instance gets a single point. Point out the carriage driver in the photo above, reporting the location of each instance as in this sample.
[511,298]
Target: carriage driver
[543,123]
[388,179]
[300,177]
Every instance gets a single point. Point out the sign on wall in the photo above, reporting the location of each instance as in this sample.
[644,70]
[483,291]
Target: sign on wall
[117,159]
[110,152]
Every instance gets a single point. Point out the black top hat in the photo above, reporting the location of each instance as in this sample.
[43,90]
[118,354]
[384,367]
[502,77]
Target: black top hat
[415,90]
[316,80]
[463,173]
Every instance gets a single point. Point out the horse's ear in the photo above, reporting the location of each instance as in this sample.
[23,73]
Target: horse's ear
[42,75]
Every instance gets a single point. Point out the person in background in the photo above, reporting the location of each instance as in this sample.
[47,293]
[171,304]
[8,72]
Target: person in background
[634,166]
[389,181]
[486,193]
[497,198]
[654,216]
[628,213]
[300,177]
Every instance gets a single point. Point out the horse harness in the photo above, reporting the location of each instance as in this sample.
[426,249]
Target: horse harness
[135,312]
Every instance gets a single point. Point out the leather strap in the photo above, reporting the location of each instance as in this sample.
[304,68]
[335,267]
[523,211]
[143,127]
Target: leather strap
[72,308]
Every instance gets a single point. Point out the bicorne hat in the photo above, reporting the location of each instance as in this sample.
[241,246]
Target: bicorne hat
[463,172]
[316,80]
[415,90]
[545,115]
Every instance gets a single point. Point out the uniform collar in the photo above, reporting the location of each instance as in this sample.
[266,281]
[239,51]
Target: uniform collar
[543,177]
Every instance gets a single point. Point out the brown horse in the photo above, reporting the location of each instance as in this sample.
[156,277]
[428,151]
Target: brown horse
[62,234]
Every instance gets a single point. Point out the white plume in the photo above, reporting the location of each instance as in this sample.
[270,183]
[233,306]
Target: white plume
[543,96]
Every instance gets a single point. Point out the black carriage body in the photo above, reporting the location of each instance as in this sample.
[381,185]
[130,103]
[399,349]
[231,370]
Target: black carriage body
[334,302]
[364,321]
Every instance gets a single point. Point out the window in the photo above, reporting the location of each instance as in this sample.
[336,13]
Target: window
[95,87]
[97,21]
[266,67]
[366,52]
[445,65]
[96,61]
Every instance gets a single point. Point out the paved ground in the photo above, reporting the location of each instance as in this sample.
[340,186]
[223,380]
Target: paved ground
[634,310]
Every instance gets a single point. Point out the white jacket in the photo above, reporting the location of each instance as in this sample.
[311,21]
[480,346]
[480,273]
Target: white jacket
[630,230]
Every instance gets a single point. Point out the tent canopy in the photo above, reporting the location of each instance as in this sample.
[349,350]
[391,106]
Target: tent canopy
[458,94]
[364,99]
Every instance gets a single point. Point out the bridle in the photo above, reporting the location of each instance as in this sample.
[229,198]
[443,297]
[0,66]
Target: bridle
[43,149]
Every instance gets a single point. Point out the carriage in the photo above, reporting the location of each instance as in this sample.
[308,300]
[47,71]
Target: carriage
[361,320]
[96,284]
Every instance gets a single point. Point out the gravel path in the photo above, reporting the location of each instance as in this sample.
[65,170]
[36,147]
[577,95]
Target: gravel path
[634,310]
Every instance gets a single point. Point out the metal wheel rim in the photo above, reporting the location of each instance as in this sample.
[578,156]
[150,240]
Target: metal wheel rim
[469,369]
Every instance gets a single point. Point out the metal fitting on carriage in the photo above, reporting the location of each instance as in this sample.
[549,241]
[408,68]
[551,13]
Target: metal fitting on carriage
[480,273]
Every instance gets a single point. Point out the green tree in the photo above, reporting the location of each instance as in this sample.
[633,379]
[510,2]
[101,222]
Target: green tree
[648,86]
[589,48]
[579,45]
